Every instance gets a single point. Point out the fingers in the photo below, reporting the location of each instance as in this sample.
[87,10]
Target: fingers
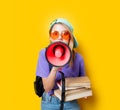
[85,97]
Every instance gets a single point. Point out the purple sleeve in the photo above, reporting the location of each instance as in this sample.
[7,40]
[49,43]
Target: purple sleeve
[42,66]
[81,65]
[82,68]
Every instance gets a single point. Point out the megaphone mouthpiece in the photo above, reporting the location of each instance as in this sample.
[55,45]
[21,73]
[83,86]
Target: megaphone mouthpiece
[59,51]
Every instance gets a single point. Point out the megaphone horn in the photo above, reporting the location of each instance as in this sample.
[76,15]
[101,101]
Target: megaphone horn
[58,54]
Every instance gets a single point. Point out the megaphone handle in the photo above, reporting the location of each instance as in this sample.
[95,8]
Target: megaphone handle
[63,91]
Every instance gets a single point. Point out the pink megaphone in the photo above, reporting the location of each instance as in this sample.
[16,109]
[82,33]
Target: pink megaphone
[58,54]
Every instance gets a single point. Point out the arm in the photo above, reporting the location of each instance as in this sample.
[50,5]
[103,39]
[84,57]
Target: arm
[49,82]
[43,70]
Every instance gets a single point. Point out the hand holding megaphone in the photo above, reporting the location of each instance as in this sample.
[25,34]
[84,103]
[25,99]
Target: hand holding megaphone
[58,54]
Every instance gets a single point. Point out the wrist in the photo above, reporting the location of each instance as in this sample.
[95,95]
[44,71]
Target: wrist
[54,68]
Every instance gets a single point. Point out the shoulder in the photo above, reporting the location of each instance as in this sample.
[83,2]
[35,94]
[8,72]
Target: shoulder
[78,56]
[42,52]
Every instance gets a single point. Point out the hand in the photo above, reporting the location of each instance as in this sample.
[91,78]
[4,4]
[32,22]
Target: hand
[56,68]
[85,97]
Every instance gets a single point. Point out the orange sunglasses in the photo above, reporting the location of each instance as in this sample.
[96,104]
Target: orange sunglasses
[65,35]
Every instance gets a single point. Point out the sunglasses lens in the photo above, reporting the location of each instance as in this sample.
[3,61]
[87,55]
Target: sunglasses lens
[54,35]
[66,35]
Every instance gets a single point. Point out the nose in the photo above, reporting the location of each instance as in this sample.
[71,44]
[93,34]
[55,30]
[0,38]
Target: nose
[60,37]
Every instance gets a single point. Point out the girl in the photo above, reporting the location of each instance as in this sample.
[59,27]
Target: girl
[60,30]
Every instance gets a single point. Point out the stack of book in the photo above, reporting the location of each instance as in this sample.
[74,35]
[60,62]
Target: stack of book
[75,88]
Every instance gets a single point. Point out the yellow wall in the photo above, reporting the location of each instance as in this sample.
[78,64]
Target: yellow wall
[96,27]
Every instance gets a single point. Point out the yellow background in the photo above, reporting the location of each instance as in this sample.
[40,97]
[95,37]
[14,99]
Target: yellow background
[24,32]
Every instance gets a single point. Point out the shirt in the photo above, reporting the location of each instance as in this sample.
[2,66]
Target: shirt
[76,70]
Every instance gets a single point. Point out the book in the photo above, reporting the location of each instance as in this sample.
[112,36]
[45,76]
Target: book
[75,88]
[74,94]
[75,83]
[59,84]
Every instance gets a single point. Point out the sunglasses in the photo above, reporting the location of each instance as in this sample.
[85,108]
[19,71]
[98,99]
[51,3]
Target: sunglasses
[64,34]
